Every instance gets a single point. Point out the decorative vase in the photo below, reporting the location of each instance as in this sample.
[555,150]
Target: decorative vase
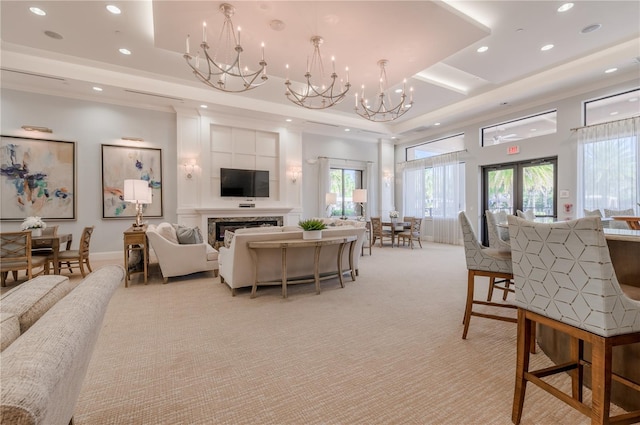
[36,232]
[394,220]
[312,234]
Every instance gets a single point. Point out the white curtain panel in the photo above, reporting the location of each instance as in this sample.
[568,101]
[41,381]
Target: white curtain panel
[369,184]
[608,165]
[448,194]
[324,185]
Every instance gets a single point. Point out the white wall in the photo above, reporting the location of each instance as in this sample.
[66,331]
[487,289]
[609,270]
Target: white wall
[90,125]
[562,144]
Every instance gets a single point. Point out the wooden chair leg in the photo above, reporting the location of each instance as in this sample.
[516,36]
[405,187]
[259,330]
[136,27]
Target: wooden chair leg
[88,265]
[576,350]
[522,364]
[3,278]
[601,354]
[492,282]
[469,305]
[507,283]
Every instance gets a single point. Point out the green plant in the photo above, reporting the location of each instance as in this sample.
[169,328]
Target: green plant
[312,224]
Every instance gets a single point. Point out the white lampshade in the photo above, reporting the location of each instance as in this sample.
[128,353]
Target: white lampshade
[331,198]
[137,191]
[360,195]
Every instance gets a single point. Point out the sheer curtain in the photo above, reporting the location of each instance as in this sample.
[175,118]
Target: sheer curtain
[446,194]
[324,185]
[608,162]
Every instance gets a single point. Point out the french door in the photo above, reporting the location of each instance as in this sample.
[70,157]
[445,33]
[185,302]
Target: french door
[527,185]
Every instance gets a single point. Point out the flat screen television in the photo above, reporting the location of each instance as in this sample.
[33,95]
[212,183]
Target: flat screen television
[244,183]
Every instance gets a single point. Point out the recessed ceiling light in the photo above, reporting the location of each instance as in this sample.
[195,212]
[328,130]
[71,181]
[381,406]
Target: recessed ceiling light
[288,120]
[96,88]
[125,51]
[204,106]
[613,113]
[590,28]
[534,129]
[394,138]
[610,70]
[398,90]
[546,47]
[436,123]
[347,129]
[113,9]
[633,99]
[565,7]
[37,11]
[482,49]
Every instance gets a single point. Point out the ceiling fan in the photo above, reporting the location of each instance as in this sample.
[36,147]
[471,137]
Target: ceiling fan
[497,139]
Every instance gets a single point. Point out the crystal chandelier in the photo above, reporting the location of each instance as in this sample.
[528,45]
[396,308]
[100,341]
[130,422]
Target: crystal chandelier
[318,96]
[224,70]
[383,111]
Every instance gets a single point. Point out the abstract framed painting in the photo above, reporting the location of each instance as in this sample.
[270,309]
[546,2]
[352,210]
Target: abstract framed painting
[120,163]
[38,178]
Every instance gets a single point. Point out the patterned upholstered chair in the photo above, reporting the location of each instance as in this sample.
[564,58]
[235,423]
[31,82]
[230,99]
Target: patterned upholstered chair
[615,224]
[498,239]
[527,215]
[564,279]
[487,262]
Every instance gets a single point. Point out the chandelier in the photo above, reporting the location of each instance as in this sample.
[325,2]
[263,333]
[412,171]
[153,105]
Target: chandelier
[314,96]
[224,70]
[383,111]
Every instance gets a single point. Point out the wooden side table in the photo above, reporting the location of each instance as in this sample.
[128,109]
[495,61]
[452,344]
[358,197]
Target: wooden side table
[135,239]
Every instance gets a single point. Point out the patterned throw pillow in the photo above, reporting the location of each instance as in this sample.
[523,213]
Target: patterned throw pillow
[228,237]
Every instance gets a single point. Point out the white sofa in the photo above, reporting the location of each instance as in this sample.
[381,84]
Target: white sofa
[176,259]
[49,327]
[237,266]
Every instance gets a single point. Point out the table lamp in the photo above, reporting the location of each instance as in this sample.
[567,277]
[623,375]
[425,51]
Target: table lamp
[331,199]
[138,192]
[360,197]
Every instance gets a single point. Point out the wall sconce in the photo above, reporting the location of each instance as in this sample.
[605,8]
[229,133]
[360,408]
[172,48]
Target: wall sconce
[189,168]
[295,173]
[133,139]
[36,128]
[387,177]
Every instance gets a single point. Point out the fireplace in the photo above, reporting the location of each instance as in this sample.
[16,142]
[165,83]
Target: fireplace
[216,226]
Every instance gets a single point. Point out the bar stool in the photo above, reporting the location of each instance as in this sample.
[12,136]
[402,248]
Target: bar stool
[564,279]
[483,261]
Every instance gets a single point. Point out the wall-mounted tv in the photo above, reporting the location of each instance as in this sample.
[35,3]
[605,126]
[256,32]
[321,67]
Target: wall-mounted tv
[244,183]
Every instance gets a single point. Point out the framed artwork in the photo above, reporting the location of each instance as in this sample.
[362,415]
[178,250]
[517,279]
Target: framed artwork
[38,178]
[120,163]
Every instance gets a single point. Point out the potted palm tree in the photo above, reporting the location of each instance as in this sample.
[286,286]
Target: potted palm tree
[312,228]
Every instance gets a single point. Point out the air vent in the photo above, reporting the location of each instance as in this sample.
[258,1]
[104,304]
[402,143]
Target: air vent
[154,95]
[322,123]
[31,74]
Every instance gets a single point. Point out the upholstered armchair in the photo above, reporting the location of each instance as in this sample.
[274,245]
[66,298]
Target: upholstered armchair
[179,259]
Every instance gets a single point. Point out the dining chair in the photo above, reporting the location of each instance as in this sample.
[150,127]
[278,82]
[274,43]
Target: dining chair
[527,215]
[378,232]
[77,257]
[485,262]
[618,224]
[15,255]
[412,233]
[565,280]
[498,239]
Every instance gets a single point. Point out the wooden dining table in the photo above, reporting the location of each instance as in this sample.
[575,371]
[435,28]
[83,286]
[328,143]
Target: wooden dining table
[396,227]
[54,242]
[632,221]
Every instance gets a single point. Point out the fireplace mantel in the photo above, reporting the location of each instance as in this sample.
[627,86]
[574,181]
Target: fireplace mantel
[244,211]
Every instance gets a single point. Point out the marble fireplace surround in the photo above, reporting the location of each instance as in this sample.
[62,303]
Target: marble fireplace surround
[216,221]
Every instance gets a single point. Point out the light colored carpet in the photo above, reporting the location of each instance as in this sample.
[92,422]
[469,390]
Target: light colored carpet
[385,349]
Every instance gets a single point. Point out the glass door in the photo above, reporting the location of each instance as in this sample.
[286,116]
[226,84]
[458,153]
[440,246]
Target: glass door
[528,185]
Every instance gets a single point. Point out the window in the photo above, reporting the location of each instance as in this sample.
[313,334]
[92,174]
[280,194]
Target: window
[615,107]
[519,129]
[343,183]
[436,147]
